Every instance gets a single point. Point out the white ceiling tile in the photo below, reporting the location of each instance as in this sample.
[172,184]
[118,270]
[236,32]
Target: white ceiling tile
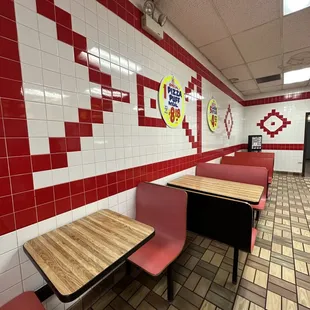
[251,92]
[271,89]
[240,72]
[223,54]
[246,85]
[266,67]
[270,84]
[196,19]
[295,85]
[260,42]
[297,59]
[296,30]
[245,14]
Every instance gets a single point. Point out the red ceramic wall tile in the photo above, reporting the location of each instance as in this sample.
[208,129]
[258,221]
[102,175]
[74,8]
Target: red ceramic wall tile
[79,41]
[4,167]
[8,28]
[90,183]
[84,116]
[63,205]
[59,160]
[10,69]
[13,108]
[107,105]
[44,195]
[153,103]
[73,144]
[101,180]
[86,130]
[7,9]
[25,218]
[72,129]
[23,201]
[46,8]
[80,57]
[46,211]
[20,165]
[78,201]
[22,183]
[96,103]
[18,147]
[7,223]
[15,128]
[41,162]
[76,187]
[10,88]
[63,18]
[94,76]
[97,117]
[62,190]
[91,196]
[64,34]
[5,186]
[57,145]
[6,205]
[105,79]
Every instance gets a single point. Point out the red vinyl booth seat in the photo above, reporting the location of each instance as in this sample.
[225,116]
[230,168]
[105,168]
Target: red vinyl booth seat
[163,208]
[242,174]
[25,301]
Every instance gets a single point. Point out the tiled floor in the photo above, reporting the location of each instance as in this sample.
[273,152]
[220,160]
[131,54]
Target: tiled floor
[275,276]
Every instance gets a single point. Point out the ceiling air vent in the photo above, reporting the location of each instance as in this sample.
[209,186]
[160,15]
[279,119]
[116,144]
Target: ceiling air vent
[269,78]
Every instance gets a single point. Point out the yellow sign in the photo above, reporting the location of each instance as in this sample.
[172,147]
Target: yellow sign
[171,101]
[212,114]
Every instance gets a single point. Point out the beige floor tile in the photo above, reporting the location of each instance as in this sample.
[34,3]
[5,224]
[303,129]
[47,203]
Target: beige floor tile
[265,254]
[276,247]
[217,260]
[296,230]
[275,270]
[305,233]
[207,256]
[288,275]
[255,307]
[286,234]
[297,245]
[207,306]
[303,296]
[307,248]
[249,273]
[287,251]
[241,303]
[288,304]
[273,301]
[255,251]
[301,266]
[261,278]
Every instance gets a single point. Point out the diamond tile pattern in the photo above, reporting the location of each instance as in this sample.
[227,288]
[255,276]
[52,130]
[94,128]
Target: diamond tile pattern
[276,275]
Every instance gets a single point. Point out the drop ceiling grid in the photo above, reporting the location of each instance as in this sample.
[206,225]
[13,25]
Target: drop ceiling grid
[245,39]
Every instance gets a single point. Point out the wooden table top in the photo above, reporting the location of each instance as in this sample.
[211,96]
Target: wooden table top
[234,190]
[74,257]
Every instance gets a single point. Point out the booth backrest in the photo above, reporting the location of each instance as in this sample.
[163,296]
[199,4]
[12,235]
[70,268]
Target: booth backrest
[254,162]
[242,174]
[246,155]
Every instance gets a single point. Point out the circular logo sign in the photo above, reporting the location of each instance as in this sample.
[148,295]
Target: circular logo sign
[171,101]
[212,114]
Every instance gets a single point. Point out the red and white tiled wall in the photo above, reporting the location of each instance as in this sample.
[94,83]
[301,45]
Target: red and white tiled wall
[79,123]
[282,125]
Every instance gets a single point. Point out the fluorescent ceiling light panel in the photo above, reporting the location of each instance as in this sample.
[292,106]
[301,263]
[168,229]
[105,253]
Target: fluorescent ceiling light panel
[297,76]
[291,6]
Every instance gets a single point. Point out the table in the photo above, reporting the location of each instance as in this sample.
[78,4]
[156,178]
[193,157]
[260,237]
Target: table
[76,256]
[228,189]
[221,210]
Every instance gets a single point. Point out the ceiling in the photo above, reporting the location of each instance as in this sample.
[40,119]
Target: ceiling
[245,39]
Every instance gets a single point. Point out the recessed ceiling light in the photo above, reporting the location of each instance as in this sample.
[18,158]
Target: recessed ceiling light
[291,6]
[297,76]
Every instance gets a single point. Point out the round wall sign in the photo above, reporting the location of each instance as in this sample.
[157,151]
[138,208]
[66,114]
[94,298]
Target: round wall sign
[212,114]
[171,101]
